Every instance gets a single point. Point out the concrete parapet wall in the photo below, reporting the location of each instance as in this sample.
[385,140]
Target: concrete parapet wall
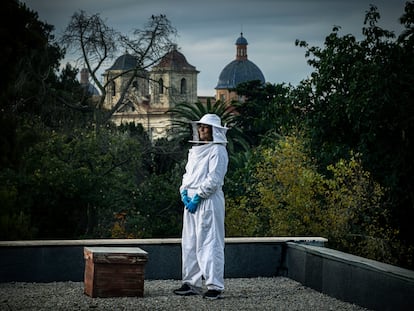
[350,278]
[354,279]
[62,260]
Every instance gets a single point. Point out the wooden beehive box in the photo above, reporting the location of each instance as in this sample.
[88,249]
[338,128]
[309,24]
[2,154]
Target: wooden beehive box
[114,271]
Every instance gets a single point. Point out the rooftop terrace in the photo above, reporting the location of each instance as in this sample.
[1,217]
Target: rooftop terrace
[266,273]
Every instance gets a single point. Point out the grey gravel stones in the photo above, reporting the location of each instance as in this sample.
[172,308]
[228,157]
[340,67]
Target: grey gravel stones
[278,293]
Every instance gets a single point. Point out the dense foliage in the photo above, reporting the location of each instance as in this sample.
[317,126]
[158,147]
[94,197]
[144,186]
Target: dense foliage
[292,198]
[331,156]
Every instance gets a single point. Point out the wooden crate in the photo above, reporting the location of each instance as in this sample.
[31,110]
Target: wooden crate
[114,271]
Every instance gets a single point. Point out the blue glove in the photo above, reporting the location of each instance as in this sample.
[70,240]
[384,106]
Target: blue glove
[192,205]
[184,197]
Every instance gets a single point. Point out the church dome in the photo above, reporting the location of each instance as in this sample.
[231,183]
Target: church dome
[91,89]
[124,62]
[239,70]
[174,60]
[241,40]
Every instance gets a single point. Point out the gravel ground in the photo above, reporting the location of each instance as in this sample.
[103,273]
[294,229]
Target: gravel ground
[277,293]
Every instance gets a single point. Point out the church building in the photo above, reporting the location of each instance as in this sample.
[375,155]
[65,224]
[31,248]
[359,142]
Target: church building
[171,81]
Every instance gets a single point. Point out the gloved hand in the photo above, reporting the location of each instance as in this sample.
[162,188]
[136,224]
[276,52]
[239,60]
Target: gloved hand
[184,197]
[193,204]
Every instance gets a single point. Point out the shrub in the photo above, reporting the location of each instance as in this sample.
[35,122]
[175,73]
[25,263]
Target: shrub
[294,199]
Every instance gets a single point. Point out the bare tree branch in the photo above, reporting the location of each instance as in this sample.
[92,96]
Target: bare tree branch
[96,43]
[89,36]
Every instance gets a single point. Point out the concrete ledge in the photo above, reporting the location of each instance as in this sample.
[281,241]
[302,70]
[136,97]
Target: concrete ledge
[62,260]
[368,283]
[40,243]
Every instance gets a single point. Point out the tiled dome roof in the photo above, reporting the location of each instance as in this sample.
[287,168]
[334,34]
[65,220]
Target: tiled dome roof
[174,60]
[239,71]
[241,40]
[124,62]
[91,89]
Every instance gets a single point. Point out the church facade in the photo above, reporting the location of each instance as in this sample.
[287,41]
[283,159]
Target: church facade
[152,93]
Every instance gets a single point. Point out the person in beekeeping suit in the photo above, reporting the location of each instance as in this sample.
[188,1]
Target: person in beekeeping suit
[203,223]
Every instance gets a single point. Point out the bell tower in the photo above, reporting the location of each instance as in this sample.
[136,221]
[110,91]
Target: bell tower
[174,81]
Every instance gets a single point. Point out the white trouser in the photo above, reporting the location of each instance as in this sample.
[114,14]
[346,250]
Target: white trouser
[203,243]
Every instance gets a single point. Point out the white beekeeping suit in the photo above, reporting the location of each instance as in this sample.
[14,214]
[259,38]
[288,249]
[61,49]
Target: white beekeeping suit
[203,229]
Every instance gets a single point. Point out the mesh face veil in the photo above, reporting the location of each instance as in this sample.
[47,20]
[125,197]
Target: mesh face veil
[218,131]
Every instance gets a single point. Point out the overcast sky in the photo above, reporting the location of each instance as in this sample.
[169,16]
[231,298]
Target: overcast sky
[208,29]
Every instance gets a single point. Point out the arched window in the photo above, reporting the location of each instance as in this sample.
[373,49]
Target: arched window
[113,89]
[183,88]
[160,86]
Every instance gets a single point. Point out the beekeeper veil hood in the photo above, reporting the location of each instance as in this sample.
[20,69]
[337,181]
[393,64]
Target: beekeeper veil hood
[219,131]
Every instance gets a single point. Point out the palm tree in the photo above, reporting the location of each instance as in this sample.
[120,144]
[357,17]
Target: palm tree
[184,113]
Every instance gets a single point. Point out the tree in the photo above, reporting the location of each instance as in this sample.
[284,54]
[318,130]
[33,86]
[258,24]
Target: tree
[31,85]
[346,208]
[59,177]
[29,59]
[266,108]
[361,100]
[184,113]
[30,110]
[287,196]
[96,43]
